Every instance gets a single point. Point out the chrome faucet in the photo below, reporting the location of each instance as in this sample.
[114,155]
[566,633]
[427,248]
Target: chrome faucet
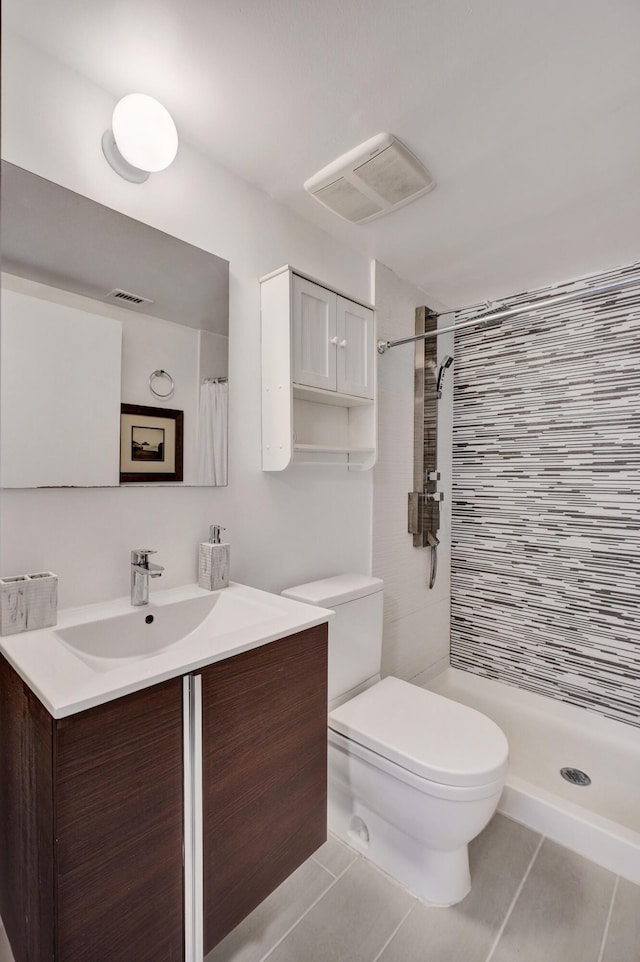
[141,571]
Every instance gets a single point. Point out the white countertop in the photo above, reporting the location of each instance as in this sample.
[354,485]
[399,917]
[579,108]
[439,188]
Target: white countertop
[67,683]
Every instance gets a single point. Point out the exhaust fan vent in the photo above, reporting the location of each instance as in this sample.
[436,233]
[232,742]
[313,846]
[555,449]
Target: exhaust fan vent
[119,295]
[371,180]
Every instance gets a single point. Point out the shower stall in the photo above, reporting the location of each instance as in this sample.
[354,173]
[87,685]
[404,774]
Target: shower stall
[545,544]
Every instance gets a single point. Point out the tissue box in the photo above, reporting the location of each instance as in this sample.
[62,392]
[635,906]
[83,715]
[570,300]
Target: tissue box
[28,602]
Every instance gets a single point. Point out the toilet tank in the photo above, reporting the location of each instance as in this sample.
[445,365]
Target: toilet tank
[355,631]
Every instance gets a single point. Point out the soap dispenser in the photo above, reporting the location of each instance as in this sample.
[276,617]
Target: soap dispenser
[213,561]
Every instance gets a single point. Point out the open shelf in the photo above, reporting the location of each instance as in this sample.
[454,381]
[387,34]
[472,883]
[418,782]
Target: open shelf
[355,459]
[304,393]
[331,449]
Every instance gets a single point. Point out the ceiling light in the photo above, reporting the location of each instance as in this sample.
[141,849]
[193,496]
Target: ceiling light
[143,138]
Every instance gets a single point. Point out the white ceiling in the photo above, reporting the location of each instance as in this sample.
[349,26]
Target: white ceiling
[525,111]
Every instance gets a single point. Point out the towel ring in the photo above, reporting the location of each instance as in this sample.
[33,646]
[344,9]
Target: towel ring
[161,373]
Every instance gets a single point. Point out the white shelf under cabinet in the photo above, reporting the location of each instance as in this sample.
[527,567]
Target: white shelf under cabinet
[305,393]
[330,449]
[304,423]
[356,459]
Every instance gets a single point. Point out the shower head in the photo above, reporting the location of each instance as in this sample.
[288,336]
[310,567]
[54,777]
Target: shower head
[446,362]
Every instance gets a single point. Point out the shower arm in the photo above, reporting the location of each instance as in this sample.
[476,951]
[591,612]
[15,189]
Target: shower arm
[507,312]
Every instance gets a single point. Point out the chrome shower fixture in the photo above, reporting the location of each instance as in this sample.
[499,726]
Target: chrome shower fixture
[446,362]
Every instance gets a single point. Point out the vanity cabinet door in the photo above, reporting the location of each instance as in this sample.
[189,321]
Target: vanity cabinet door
[26,820]
[264,773]
[91,827]
[119,829]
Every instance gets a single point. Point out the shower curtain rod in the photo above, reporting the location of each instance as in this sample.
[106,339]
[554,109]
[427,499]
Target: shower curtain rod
[507,312]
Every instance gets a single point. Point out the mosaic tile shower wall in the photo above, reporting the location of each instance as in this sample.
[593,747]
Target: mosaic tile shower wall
[546,500]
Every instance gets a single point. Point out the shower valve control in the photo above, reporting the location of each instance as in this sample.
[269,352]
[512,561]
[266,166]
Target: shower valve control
[431,476]
[434,496]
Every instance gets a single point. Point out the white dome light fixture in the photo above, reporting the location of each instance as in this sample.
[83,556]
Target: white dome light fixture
[143,138]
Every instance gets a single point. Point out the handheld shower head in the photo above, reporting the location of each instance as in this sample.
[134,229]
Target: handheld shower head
[446,362]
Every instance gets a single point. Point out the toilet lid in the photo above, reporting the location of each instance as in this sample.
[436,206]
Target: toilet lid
[431,736]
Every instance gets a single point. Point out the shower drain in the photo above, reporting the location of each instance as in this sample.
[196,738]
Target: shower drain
[575,776]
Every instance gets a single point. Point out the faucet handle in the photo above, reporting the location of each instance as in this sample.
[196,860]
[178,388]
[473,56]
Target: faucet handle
[140,556]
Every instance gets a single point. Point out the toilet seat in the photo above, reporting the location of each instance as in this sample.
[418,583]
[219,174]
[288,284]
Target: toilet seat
[436,739]
[453,793]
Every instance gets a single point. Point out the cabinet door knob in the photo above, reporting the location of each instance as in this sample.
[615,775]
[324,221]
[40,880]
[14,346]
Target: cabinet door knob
[343,343]
[334,340]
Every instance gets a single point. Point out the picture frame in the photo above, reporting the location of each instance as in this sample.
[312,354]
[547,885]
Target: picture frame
[151,442]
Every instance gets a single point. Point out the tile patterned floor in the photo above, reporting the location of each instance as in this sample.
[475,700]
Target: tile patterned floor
[531,900]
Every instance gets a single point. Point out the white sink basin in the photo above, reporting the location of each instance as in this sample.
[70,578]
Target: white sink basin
[108,643]
[145,631]
[103,651]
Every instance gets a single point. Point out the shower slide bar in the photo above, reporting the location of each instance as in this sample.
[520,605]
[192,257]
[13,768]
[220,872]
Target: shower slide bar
[507,312]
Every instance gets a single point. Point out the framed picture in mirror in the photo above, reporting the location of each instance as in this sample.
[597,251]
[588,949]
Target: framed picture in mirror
[150,444]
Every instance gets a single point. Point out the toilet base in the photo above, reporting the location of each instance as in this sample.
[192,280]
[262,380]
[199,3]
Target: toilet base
[441,878]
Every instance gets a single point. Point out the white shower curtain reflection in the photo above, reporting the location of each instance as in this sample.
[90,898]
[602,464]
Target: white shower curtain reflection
[212,433]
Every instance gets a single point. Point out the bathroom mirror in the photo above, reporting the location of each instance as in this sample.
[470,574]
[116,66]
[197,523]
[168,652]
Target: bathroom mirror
[79,280]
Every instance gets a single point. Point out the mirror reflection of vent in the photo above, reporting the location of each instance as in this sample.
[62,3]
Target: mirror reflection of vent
[371,180]
[119,295]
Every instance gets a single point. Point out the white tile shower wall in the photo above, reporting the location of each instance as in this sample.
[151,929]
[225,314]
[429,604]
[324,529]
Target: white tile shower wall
[546,514]
[416,619]
[316,522]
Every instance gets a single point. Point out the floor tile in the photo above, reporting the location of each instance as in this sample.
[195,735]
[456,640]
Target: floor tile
[334,856]
[561,912]
[623,939]
[499,859]
[266,925]
[351,923]
[5,949]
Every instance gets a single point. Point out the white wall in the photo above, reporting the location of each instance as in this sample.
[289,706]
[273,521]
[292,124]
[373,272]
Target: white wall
[416,619]
[284,529]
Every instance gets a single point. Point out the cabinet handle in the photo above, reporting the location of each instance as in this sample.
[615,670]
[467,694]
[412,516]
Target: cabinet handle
[343,343]
[193,841]
[334,340]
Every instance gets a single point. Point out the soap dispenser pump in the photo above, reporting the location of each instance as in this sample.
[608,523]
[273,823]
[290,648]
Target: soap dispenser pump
[213,561]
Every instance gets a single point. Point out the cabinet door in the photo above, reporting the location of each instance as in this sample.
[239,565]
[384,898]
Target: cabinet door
[355,349]
[314,335]
[264,773]
[26,821]
[119,829]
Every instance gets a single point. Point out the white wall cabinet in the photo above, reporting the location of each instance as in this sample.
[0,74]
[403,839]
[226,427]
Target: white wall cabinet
[332,340]
[318,375]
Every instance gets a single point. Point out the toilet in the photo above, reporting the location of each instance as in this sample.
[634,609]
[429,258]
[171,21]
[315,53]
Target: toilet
[413,776]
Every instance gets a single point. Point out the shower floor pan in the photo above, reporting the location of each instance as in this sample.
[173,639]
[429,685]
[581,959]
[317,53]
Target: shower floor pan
[600,821]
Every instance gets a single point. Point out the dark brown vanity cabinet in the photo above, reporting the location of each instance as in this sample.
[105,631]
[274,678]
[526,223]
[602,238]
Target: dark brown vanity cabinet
[264,773]
[92,806]
[91,823]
